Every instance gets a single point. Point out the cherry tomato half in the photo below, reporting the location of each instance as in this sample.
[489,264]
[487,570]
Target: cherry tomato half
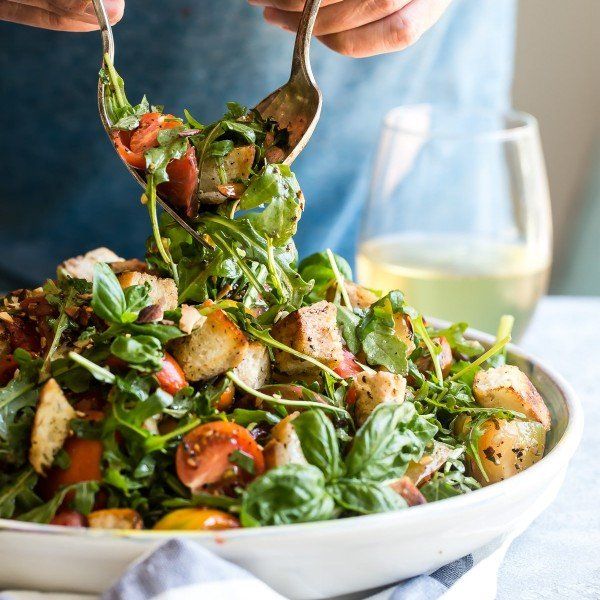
[69,518]
[183,181]
[202,458]
[348,367]
[171,377]
[204,519]
[86,457]
[8,366]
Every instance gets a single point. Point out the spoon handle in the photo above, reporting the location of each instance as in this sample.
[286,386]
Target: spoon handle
[301,58]
[108,44]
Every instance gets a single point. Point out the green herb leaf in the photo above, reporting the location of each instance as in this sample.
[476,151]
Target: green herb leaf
[365,497]
[108,299]
[287,494]
[142,352]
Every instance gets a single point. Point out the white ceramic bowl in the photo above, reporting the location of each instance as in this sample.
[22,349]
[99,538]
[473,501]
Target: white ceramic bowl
[317,560]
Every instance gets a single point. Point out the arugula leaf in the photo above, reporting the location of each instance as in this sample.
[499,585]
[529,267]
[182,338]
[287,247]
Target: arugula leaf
[142,352]
[392,436]
[319,442]
[348,323]
[14,489]
[317,268]
[276,188]
[288,494]
[377,334]
[454,334]
[171,146]
[365,497]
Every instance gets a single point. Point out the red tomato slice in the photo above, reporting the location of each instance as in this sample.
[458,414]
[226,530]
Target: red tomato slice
[171,377]
[348,367]
[146,134]
[183,181]
[69,518]
[202,459]
[121,141]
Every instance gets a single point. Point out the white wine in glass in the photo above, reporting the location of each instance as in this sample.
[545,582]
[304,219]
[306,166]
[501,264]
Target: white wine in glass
[468,240]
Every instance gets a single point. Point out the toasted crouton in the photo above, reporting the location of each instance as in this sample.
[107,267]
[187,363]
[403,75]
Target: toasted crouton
[506,448]
[163,290]
[508,387]
[359,296]
[211,349]
[311,330]
[50,426]
[255,368]
[421,471]
[237,164]
[82,267]
[283,447]
[375,388]
[404,332]
[115,518]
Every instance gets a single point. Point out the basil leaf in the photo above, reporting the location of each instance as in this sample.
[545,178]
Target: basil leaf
[319,442]
[220,149]
[392,436]
[288,494]
[245,416]
[365,497]
[142,352]
[108,299]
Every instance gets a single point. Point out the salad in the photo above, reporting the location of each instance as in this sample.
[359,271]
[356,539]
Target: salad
[224,384]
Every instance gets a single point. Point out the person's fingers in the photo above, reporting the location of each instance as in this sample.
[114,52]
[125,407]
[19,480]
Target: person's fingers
[338,17]
[289,5]
[392,33]
[62,15]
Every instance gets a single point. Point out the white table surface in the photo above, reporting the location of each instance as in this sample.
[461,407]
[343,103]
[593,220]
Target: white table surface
[559,555]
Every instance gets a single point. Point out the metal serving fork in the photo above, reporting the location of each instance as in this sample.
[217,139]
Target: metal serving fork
[295,105]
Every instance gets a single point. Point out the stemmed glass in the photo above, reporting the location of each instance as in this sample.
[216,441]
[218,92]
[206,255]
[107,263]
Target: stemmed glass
[458,215]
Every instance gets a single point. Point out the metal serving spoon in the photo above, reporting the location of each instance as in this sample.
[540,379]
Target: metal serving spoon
[295,105]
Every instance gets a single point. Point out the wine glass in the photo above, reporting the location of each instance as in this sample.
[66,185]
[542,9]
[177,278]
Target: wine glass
[458,215]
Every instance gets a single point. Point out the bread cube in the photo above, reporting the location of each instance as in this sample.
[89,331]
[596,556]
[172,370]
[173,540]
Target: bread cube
[311,330]
[163,290]
[283,447]
[237,164]
[211,349]
[508,387]
[404,332]
[375,388]
[359,296]
[115,518]
[255,368]
[51,426]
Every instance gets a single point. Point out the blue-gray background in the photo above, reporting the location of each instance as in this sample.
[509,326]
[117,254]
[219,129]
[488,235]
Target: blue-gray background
[62,188]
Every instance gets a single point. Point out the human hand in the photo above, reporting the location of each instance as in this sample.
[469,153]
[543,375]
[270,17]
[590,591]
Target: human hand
[61,15]
[360,28]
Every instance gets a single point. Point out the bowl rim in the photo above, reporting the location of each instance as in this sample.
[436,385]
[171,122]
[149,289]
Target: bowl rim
[558,457]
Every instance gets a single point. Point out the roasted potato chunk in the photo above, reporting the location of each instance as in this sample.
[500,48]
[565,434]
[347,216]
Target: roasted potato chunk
[421,471]
[507,448]
[82,267]
[115,518]
[284,445]
[211,349]
[255,368]
[313,331]
[237,164]
[508,387]
[359,296]
[404,332]
[50,426]
[163,290]
[375,388]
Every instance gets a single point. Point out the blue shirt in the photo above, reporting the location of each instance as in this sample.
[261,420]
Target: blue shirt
[63,189]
